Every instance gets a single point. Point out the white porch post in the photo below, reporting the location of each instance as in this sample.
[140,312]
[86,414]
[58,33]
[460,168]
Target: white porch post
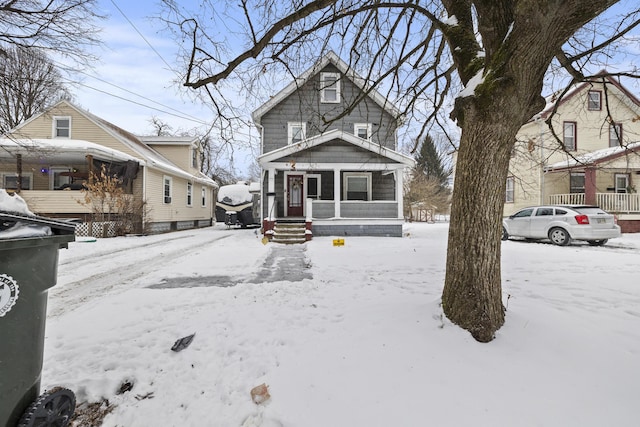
[336,191]
[271,195]
[399,176]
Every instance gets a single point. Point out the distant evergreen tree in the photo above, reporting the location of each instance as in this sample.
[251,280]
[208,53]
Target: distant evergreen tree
[430,163]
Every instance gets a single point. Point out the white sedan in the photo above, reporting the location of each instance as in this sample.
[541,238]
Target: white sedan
[561,224]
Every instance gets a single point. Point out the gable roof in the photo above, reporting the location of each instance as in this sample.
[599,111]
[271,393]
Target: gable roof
[343,67]
[625,96]
[151,157]
[322,138]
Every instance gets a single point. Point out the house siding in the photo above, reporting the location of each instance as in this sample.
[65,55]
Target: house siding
[304,106]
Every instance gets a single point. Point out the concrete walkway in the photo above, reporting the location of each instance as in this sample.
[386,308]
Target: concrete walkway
[284,263]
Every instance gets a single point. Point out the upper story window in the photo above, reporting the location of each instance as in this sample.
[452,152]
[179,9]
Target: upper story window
[569,135]
[167,184]
[189,194]
[330,87]
[194,158]
[362,130]
[615,135]
[296,132]
[594,100]
[511,184]
[62,127]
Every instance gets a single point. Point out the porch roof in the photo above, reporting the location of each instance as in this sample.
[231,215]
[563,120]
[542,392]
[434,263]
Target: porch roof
[323,138]
[60,150]
[594,158]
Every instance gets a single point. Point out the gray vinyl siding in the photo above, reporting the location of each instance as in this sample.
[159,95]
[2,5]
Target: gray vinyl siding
[368,209]
[336,151]
[304,106]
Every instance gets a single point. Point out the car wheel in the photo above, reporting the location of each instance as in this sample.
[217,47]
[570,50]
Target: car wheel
[598,242]
[559,236]
[505,235]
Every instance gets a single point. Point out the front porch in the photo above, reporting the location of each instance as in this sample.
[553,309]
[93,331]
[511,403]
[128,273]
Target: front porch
[626,206]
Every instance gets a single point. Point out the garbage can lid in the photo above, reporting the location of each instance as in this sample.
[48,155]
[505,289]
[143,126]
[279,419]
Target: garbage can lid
[58,227]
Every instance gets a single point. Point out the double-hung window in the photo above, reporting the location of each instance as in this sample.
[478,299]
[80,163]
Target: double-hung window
[362,130]
[166,187]
[594,100]
[615,135]
[569,135]
[296,132]
[330,87]
[189,194]
[357,186]
[511,183]
[313,186]
[61,127]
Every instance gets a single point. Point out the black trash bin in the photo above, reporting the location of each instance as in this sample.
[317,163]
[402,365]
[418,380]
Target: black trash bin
[28,268]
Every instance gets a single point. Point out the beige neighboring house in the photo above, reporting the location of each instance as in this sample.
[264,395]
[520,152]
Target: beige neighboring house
[591,160]
[52,154]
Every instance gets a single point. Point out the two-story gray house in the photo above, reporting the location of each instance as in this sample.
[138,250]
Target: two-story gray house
[329,156]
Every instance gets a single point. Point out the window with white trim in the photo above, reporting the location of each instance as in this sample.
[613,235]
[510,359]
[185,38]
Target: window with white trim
[357,186]
[510,194]
[569,135]
[194,158]
[10,181]
[330,87]
[189,194]
[204,196]
[594,102]
[167,189]
[296,132]
[615,135]
[362,130]
[61,127]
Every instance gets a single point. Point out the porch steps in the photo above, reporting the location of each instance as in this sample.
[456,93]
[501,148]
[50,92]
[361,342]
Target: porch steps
[289,232]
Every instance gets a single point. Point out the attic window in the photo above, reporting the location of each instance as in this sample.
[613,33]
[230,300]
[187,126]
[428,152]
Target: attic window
[362,130]
[594,100]
[62,127]
[296,132]
[330,87]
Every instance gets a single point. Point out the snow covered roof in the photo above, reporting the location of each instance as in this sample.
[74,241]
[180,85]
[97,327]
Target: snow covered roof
[62,149]
[595,157]
[330,58]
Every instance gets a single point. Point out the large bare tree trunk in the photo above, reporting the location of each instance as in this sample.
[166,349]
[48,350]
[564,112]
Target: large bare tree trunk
[472,293]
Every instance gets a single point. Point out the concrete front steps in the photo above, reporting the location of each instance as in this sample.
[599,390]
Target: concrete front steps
[289,232]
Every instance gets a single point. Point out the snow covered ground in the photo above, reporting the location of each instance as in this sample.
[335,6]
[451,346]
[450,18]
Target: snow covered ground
[362,343]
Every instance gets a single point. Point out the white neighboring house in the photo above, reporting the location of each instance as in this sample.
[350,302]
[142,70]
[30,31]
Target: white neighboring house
[49,157]
[594,157]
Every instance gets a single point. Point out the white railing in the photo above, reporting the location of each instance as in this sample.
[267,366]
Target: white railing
[610,202]
[567,199]
[619,202]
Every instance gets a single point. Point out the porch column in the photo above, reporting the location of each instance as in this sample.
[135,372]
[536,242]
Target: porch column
[398,175]
[271,194]
[336,192]
[89,159]
[590,186]
[19,173]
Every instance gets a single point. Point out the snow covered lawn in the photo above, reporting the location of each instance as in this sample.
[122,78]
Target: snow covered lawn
[363,343]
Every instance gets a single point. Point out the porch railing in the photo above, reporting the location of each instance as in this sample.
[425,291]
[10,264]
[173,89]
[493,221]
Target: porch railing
[610,202]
